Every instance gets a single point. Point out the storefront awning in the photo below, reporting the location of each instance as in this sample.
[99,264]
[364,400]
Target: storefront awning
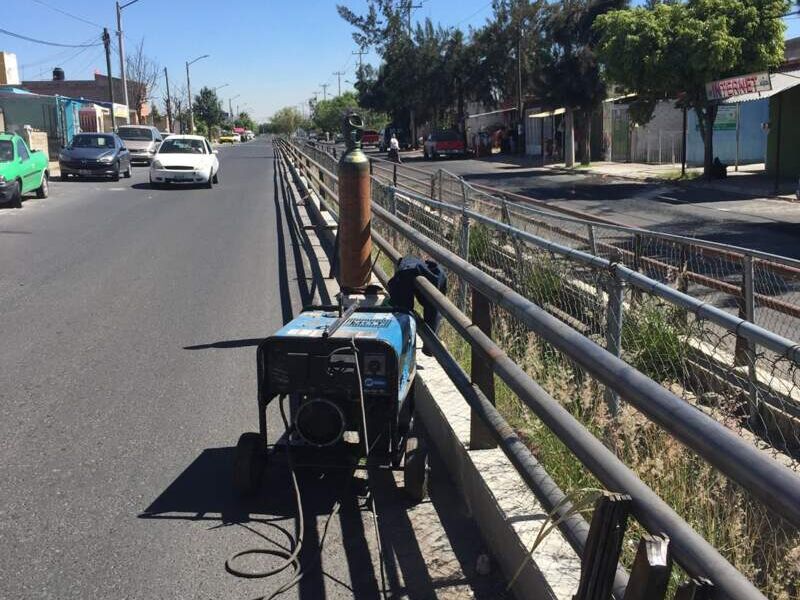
[780,83]
[548,113]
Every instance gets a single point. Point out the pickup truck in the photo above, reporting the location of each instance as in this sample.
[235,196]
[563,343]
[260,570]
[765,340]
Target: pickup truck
[21,170]
[444,143]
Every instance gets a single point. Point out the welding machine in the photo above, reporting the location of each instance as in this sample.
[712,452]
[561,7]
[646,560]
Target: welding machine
[348,375]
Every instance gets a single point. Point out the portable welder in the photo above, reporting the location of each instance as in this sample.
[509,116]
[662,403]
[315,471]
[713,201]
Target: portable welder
[343,371]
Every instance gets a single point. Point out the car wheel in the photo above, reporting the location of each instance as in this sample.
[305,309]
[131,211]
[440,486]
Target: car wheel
[216,177]
[210,182]
[16,196]
[115,176]
[44,189]
[128,172]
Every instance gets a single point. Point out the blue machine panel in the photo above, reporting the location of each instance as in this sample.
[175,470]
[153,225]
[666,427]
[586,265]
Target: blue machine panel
[394,328]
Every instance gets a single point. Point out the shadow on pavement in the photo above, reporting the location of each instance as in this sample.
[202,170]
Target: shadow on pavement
[414,565]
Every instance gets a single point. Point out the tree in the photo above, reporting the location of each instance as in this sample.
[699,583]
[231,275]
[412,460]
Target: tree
[571,76]
[142,74]
[244,120]
[287,120]
[207,108]
[673,50]
[178,106]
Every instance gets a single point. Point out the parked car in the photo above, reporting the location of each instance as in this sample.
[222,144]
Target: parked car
[185,159]
[95,155]
[370,137]
[444,143]
[21,170]
[142,141]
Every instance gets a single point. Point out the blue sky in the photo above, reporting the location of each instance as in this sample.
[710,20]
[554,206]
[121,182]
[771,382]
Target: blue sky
[272,53]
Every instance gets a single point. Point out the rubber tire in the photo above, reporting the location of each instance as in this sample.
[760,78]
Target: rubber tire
[215,179]
[16,198]
[210,182]
[43,190]
[115,176]
[248,464]
[415,469]
[127,174]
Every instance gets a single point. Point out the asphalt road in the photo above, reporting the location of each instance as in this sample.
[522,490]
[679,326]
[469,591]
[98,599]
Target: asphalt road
[129,319]
[762,224]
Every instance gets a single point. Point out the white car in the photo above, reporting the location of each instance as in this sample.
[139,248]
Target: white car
[185,159]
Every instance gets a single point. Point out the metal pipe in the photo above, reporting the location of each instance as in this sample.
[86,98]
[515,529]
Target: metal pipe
[773,484]
[355,198]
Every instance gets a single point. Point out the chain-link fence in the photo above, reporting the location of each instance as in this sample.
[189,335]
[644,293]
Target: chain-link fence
[747,387]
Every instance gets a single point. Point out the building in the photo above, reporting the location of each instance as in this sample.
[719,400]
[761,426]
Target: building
[92,89]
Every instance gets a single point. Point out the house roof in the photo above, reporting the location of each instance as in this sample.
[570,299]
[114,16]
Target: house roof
[780,83]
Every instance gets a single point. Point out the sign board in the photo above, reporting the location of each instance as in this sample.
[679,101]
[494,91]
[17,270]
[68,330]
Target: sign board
[736,86]
[726,118]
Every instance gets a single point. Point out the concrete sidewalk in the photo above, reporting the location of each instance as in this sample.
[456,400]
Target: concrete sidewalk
[749,180]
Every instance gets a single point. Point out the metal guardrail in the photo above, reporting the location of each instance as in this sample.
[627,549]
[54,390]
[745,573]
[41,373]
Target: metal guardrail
[775,485]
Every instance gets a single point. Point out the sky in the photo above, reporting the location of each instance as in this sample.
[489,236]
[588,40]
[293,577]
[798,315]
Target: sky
[271,53]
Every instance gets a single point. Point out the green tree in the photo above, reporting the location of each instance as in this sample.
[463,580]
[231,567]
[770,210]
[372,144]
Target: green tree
[570,76]
[673,50]
[287,121]
[244,120]
[206,108]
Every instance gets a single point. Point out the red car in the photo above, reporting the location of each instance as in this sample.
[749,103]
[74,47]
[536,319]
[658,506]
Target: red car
[370,137]
[444,143]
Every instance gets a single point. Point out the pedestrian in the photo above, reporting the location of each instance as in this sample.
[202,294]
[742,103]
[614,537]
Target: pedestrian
[394,149]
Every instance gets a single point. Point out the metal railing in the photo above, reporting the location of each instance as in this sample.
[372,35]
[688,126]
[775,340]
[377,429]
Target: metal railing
[457,237]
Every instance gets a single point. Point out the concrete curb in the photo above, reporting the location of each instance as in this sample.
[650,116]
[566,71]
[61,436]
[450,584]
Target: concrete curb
[507,513]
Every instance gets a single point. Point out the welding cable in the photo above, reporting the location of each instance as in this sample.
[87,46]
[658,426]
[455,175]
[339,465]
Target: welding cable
[289,558]
[367,449]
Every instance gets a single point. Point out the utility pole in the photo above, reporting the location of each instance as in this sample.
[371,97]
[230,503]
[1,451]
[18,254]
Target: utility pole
[121,37]
[339,80]
[361,52]
[230,110]
[169,103]
[107,44]
[410,7]
[520,105]
[324,87]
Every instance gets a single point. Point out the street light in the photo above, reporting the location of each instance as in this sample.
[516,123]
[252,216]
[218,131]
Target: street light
[121,37]
[219,87]
[230,107]
[189,90]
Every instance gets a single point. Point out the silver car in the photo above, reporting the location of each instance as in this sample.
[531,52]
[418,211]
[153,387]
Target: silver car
[142,141]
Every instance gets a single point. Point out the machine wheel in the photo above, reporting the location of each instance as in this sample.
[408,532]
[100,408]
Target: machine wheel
[210,182]
[216,177]
[415,470]
[127,173]
[44,189]
[248,464]
[115,176]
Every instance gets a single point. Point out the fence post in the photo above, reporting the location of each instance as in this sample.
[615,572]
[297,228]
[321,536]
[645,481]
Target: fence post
[393,210]
[433,186]
[751,350]
[614,332]
[394,174]
[463,244]
[371,167]
[598,286]
[481,373]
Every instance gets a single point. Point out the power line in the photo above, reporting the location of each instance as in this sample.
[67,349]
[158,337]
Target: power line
[70,15]
[35,41]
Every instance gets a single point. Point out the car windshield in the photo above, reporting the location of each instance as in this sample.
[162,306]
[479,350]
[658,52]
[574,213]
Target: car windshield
[6,151]
[182,146]
[135,133]
[446,136]
[93,141]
